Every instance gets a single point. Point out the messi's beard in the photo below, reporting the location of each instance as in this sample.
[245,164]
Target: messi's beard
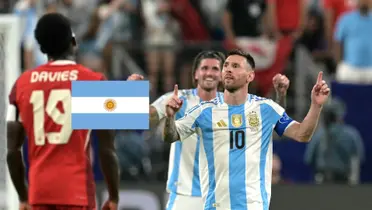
[231,89]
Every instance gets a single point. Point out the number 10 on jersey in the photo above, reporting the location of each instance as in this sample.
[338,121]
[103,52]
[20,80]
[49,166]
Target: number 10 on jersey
[237,139]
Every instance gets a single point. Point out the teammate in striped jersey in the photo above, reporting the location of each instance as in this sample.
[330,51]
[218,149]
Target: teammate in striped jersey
[236,137]
[183,172]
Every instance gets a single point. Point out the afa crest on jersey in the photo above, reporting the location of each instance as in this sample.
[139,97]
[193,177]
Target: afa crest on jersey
[109,105]
[253,119]
[237,120]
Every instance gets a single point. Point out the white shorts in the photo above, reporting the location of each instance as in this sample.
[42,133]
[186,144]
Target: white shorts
[353,75]
[183,202]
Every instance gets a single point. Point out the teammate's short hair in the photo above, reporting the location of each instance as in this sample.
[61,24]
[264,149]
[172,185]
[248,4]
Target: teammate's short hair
[244,54]
[54,34]
[206,55]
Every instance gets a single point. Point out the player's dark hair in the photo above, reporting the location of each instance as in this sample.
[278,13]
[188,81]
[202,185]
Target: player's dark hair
[244,54]
[54,34]
[206,55]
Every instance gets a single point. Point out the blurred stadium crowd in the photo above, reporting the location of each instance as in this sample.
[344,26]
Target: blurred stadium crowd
[159,38]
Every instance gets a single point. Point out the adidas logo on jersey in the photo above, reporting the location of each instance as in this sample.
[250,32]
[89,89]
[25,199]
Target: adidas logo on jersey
[221,124]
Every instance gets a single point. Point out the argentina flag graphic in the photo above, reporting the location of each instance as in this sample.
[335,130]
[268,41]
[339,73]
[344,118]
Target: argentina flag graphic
[110,105]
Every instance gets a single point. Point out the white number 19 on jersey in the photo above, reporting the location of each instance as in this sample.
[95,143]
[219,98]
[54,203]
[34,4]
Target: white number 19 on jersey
[63,119]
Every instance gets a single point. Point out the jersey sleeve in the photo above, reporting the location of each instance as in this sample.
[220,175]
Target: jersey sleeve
[89,74]
[12,111]
[101,77]
[281,119]
[186,125]
[283,123]
[160,104]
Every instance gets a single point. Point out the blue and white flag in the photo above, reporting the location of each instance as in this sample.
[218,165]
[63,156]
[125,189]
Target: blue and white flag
[110,105]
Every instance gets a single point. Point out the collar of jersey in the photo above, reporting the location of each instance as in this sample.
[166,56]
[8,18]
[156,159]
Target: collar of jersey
[62,62]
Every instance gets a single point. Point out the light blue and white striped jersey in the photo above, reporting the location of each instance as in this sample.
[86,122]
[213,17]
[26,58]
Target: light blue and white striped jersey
[235,150]
[183,169]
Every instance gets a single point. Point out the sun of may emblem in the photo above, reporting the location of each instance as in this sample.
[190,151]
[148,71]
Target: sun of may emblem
[110,105]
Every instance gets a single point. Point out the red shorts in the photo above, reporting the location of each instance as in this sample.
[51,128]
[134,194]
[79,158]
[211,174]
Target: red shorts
[60,207]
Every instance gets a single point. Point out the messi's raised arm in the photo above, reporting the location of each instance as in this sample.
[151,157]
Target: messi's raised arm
[303,131]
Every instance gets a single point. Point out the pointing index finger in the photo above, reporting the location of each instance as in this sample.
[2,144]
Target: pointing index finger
[175,91]
[320,78]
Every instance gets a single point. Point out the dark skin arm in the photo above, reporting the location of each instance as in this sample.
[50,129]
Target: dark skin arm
[15,139]
[109,162]
[108,158]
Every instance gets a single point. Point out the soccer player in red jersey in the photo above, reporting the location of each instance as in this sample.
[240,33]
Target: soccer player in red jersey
[60,174]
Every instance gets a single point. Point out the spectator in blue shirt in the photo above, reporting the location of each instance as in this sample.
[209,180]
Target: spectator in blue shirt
[353,46]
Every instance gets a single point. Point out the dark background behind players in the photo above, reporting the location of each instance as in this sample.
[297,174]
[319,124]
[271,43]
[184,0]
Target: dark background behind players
[124,38]
[56,39]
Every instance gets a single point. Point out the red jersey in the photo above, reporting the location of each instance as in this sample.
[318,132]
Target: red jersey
[339,7]
[288,14]
[189,20]
[60,168]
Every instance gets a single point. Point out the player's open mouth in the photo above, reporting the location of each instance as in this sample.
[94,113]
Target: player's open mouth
[228,76]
